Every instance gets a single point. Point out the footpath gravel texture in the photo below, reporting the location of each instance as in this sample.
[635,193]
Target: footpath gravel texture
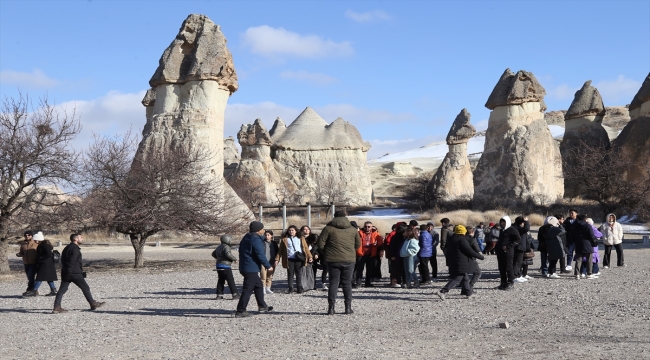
[168,311]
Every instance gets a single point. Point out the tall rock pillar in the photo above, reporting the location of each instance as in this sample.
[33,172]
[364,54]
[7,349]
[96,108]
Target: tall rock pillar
[634,140]
[521,161]
[454,179]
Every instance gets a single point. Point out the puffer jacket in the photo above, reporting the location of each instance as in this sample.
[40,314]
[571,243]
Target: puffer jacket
[473,264]
[376,243]
[509,237]
[339,241]
[585,239]
[459,255]
[555,238]
[223,254]
[612,233]
[251,254]
[426,245]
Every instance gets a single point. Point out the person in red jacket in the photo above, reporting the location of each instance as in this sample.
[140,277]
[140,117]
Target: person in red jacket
[371,241]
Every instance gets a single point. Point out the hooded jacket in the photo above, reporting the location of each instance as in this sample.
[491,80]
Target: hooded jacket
[584,240]
[251,254]
[223,255]
[541,237]
[612,234]
[339,241]
[554,239]
[459,255]
[509,236]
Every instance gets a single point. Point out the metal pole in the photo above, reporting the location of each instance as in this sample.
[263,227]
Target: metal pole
[284,217]
[309,215]
[261,211]
[333,210]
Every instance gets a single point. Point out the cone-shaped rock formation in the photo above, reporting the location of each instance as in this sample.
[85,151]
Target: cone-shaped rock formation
[634,140]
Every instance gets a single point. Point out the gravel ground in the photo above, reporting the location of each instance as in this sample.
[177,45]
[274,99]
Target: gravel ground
[168,310]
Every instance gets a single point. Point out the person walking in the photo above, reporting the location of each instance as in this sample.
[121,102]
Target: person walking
[225,258]
[371,241]
[474,268]
[28,253]
[270,250]
[339,242]
[45,269]
[509,238]
[459,254]
[251,260]
[612,237]
[72,272]
[294,253]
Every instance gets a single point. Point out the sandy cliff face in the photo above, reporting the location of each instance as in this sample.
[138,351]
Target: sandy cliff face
[520,160]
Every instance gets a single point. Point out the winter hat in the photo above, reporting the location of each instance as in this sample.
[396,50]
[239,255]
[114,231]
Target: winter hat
[552,220]
[256,226]
[38,236]
[492,223]
[460,230]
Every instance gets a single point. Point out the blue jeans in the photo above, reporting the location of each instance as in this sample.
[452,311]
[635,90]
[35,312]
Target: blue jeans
[30,271]
[410,264]
[583,268]
[544,260]
[37,284]
[481,244]
[569,255]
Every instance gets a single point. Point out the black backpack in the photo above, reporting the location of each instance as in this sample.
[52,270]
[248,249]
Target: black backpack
[56,256]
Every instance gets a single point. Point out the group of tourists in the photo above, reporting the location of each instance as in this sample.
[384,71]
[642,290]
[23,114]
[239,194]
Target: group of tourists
[343,250]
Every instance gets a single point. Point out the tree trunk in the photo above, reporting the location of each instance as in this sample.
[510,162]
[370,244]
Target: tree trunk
[4,260]
[138,242]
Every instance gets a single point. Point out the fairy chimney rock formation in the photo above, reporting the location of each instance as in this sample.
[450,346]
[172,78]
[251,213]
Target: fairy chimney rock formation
[454,179]
[277,129]
[520,161]
[188,96]
[634,140]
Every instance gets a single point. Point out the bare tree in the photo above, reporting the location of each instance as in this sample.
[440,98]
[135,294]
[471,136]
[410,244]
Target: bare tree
[598,174]
[166,190]
[252,190]
[35,157]
[328,189]
[415,189]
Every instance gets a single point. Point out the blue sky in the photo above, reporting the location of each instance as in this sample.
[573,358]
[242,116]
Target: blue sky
[398,70]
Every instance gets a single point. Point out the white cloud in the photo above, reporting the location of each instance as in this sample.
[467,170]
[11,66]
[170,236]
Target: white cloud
[369,16]
[619,91]
[302,75]
[276,42]
[562,92]
[35,79]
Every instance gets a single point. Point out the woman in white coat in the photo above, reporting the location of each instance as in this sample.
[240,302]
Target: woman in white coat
[612,236]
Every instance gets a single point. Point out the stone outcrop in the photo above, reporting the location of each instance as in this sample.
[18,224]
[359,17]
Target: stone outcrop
[520,161]
[634,140]
[189,91]
[230,156]
[583,126]
[307,161]
[400,168]
[454,179]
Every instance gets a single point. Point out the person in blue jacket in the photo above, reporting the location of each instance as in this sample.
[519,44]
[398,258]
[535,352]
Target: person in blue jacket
[251,260]
[426,252]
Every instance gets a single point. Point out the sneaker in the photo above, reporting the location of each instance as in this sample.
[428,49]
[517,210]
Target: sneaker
[325,288]
[59,310]
[583,276]
[592,276]
[520,280]
[546,275]
[96,305]
[568,268]
[598,273]
[268,291]
[397,286]
[606,267]
[265,309]
[52,293]
[622,265]
[219,297]
[235,296]
[242,314]
[441,295]
[577,277]
[554,276]
[528,277]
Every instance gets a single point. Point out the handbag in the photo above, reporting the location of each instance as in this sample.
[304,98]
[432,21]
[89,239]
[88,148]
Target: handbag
[300,256]
[307,277]
[56,256]
[529,254]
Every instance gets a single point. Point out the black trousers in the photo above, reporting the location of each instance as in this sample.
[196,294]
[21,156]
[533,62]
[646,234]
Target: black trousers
[517,263]
[294,267]
[323,275]
[377,271]
[455,279]
[608,255]
[81,283]
[340,273]
[398,270]
[505,260]
[369,263]
[424,268]
[252,284]
[226,275]
[434,265]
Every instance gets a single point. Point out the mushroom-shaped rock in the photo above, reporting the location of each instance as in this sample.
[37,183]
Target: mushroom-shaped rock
[461,130]
[515,89]
[254,134]
[587,101]
[199,52]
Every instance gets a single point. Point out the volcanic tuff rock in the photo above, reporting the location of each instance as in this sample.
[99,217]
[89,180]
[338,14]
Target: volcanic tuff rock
[516,89]
[278,128]
[454,179]
[583,127]
[634,140]
[186,104]
[520,161]
[230,156]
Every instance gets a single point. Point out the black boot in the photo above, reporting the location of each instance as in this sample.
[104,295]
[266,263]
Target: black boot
[331,311]
[348,308]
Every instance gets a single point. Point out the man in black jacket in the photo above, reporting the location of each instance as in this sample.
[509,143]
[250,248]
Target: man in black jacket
[459,260]
[72,272]
[509,238]
[572,233]
[523,227]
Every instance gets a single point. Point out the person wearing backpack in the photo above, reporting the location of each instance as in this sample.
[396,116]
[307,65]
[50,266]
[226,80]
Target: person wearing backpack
[45,269]
[225,258]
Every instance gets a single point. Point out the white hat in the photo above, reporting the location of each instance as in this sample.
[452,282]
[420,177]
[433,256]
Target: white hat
[38,236]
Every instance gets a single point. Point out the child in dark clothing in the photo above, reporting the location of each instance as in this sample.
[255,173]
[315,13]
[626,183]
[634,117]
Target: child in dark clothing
[224,260]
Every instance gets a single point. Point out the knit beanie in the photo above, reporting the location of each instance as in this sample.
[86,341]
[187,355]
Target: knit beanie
[460,230]
[553,221]
[256,226]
